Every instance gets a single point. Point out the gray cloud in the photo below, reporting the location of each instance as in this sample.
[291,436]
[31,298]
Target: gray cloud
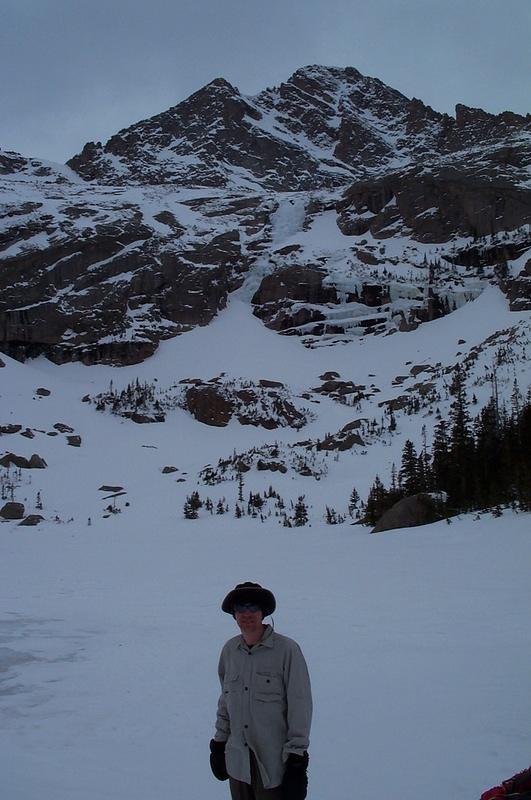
[74,70]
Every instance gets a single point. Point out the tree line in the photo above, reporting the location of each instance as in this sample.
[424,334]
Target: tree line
[474,463]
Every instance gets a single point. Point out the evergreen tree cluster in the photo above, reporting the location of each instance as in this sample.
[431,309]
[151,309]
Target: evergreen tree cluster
[137,396]
[474,463]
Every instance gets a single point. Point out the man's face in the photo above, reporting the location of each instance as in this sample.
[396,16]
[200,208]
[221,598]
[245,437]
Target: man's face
[248,617]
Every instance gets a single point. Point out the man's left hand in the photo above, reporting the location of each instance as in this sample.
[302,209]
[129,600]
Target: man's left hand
[295,781]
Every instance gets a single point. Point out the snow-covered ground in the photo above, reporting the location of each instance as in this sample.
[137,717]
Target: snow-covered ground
[418,641]
[418,644]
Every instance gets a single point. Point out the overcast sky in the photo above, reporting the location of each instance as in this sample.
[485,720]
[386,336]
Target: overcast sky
[72,71]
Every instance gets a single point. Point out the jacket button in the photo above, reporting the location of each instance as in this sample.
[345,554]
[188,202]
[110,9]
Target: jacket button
[246,688]
[245,726]
[245,744]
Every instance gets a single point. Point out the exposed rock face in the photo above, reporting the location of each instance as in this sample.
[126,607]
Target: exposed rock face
[109,290]
[280,295]
[418,509]
[434,205]
[208,405]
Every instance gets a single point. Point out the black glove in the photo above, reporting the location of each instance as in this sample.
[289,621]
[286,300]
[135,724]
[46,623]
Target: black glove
[295,781]
[217,760]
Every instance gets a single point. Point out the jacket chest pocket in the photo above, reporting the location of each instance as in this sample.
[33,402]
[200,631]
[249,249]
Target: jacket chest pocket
[268,687]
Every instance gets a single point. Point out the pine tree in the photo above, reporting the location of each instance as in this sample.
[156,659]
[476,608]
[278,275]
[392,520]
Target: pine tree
[408,476]
[240,485]
[490,476]
[440,467]
[353,502]
[461,444]
[189,509]
[195,501]
[300,513]
[376,502]
[330,516]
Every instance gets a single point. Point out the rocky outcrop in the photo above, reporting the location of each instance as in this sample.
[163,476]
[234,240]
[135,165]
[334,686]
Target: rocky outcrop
[345,439]
[518,289]
[410,512]
[216,403]
[281,296]
[12,460]
[208,405]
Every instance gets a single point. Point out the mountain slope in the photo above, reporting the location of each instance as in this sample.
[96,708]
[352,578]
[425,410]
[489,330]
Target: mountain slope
[344,207]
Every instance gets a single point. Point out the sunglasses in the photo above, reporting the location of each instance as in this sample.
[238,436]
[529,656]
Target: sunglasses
[242,607]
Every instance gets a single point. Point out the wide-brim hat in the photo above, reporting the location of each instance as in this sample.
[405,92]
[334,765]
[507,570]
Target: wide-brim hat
[250,593]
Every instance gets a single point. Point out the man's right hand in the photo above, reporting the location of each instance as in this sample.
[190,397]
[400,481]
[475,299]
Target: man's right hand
[217,760]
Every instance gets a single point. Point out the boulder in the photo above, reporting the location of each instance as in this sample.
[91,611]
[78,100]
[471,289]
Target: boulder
[410,512]
[143,419]
[31,519]
[10,428]
[74,441]
[267,384]
[42,392]
[37,462]
[272,466]
[12,510]
[168,470]
[63,428]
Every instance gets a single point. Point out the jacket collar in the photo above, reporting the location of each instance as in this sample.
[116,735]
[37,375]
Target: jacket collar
[265,641]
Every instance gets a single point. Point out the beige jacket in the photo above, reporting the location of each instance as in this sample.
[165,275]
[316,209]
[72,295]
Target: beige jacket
[265,705]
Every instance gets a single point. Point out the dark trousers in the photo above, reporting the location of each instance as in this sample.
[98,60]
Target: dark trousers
[255,790]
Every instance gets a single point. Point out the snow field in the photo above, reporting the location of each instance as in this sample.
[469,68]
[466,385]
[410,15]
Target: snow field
[418,646]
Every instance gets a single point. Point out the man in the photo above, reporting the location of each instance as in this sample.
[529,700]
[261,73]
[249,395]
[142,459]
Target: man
[265,708]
